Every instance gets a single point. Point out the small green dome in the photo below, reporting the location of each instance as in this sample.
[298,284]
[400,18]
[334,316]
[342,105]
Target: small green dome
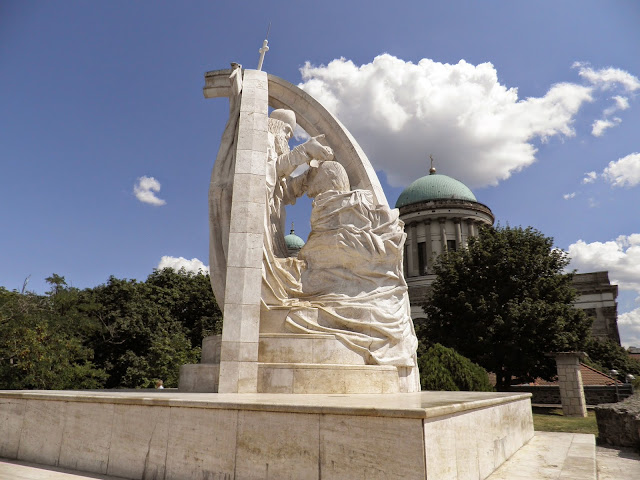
[293,241]
[435,187]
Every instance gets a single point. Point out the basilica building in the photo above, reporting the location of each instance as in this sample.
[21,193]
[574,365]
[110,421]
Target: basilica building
[440,213]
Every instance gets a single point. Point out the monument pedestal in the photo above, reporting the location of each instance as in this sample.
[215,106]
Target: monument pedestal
[296,363]
[174,436]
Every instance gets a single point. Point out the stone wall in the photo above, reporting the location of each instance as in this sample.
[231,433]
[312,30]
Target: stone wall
[594,394]
[597,297]
[619,423]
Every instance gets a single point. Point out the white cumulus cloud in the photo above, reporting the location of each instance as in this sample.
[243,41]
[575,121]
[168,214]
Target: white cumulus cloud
[176,263]
[621,257]
[629,327]
[145,190]
[589,177]
[624,172]
[606,79]
[568,196]
[599,126]
[477,129]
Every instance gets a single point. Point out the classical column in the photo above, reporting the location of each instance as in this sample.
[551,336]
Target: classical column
[470,232]
[456,221]
[428,245]
[413,247]
[443,234]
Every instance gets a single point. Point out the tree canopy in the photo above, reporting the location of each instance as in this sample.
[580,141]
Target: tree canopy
[606,355]
[124,333]
[505,301]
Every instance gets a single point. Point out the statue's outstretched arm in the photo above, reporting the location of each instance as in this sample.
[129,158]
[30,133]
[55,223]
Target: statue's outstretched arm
[312,149]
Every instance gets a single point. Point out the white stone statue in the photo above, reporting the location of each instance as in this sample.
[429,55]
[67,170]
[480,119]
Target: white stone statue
[349,274]
[280,273]
[347,280]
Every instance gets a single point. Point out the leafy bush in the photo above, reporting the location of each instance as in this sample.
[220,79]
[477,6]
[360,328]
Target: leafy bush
[442,368]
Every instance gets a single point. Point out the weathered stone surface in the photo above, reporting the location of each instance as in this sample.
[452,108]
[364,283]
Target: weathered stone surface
[453,453]
[285,446]
[11,419]
[177,436]
[41,435]
[202,377]
[570,384]
[303,378]
[552,456]
[141,441]
[619,423]
[202,443]
[309,348]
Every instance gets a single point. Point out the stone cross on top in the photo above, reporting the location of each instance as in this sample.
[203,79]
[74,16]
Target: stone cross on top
[264,49]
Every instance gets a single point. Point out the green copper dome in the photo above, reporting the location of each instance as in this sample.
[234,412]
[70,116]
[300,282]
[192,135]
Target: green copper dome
[434,187]
[293,241]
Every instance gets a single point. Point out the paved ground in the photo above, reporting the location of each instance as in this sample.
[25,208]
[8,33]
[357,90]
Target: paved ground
[618,463]
[14,470]
[612,464]
[551,456]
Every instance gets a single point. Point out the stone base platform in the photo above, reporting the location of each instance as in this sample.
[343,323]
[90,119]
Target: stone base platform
[172,435]
[296,363]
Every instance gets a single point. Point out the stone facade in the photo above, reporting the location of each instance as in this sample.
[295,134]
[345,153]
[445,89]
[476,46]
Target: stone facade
[598,299]
[432,228]
[438,224]
[176,436]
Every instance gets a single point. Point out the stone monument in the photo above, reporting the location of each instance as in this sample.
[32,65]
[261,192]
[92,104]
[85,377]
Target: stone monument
[331,326]
[336,319]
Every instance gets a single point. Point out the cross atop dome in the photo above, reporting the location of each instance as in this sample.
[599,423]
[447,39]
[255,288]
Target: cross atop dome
[432,170]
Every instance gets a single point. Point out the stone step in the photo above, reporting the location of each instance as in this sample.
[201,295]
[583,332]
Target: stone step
[552,455]
[302,378]
[316,348]
[199,378]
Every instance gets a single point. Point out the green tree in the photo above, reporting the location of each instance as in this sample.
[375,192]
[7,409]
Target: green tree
[442,368]
[148,329]
[38,347]
[606,355]
[189,298]
[124,333]
[504,302]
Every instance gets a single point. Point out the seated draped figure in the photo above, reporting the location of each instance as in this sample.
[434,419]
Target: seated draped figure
[348,276]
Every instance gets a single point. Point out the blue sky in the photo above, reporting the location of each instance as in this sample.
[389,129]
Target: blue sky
[534,105]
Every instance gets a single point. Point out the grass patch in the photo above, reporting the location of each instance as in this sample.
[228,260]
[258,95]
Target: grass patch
[552,420]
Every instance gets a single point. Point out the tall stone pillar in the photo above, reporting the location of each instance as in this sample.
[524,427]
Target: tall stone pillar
[413,246]
[470,232]
[456,221]
[241,310]
[570,382]
[428,245]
